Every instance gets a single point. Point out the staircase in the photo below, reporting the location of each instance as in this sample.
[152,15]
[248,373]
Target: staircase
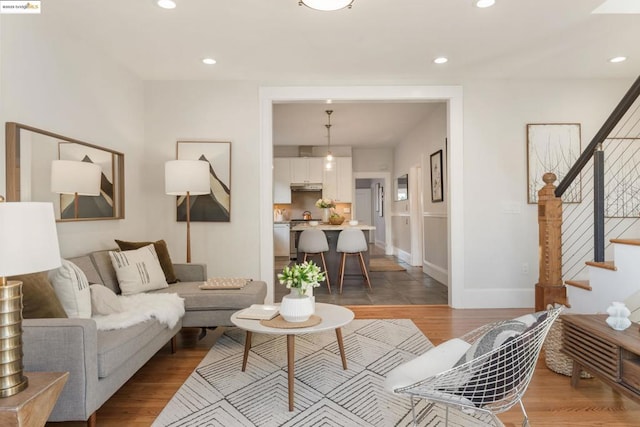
[608,281]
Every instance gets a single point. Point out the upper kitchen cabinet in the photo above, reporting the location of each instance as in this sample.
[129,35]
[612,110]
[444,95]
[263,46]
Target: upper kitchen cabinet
[306,170]
[282,180]
[337,183]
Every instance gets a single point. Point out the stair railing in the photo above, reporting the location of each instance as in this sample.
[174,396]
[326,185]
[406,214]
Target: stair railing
[550,288]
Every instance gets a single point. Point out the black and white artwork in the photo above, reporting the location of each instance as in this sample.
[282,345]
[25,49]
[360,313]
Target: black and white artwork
[437,194]
[552,148]
[215,206]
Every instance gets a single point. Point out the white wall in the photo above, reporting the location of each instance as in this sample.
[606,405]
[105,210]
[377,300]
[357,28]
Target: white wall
[213,111]
[54,82]
[372,159]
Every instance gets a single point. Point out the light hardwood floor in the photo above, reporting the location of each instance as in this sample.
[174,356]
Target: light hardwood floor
[550,400]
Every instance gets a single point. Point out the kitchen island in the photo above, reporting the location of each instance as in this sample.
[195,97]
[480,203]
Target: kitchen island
[333,256]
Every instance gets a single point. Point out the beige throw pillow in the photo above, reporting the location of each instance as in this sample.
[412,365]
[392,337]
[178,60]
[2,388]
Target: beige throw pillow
[72,288]
[138,270]
[104,301]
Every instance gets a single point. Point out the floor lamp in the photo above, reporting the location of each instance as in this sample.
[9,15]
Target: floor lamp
[77,178]
[187,178]
[29,245]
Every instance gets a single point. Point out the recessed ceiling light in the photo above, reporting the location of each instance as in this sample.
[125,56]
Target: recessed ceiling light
[329,101]
[485,3]
[166,4]
[209,61]
[440,60]
[326,5]
[618,59]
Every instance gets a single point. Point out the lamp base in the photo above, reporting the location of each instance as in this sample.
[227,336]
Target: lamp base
[11,379]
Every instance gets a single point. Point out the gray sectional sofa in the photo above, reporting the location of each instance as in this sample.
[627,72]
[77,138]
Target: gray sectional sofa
[100,362]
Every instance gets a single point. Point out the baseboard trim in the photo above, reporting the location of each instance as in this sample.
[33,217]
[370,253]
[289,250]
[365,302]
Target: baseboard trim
[498,298]
[437,272]
[402,255]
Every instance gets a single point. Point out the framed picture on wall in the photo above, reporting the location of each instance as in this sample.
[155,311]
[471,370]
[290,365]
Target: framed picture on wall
[552,148]
[437,194]
[376,198]
[215,206]
[380,200]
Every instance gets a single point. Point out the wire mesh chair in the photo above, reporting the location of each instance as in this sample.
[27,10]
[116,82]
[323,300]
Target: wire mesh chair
[490,383]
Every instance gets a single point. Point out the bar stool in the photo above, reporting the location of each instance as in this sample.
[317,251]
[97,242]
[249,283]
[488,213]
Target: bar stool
[314,242]
[351,241]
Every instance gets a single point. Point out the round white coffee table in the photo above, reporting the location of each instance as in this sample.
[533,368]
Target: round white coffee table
[333,317]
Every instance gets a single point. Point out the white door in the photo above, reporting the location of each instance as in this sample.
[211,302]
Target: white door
[364,209]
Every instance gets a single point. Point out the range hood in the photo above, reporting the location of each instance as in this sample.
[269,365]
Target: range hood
[305,186]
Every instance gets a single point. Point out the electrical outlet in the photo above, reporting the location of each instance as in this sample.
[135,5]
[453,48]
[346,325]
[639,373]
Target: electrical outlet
[346,210]
[525,268]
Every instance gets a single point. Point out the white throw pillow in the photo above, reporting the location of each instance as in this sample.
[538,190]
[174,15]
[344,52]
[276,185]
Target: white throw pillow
[436,360]
[72,288]
[104,301]
[138,270]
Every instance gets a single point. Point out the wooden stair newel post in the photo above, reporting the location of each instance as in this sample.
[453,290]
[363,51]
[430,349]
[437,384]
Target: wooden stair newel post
[549,288]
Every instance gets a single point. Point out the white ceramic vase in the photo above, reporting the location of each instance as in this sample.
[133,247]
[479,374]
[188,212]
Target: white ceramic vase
[296,308]
[326,213]
[618,316]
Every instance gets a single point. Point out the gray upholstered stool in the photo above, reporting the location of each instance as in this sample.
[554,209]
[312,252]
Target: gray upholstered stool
[314,242]
[351,241]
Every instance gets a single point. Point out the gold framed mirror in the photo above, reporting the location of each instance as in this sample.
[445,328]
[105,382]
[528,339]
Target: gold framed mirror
[30,154]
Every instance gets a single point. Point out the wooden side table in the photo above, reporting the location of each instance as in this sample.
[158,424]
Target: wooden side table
[613,356]
[32,406]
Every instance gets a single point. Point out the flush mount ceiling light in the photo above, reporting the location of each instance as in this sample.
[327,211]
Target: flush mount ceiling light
[209,61]
[326,5]
[618,59]
[440,60]
[485,3]
[166,4]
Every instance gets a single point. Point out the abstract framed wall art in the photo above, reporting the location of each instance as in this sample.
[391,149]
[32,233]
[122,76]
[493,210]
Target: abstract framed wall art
[552,147]
[215,206]
[437,194]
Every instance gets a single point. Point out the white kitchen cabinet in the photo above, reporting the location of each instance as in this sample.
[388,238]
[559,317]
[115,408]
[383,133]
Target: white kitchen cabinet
[281,235]
[337,183]
[281,180]
[306,169]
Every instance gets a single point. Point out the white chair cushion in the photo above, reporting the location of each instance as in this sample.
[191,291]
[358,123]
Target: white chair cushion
[436,360]
[313,241]
[352,240]
[138,270]
[72,288]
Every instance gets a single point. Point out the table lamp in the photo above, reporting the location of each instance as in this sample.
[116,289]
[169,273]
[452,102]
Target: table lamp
[29,245]
[77,178]
[187,178]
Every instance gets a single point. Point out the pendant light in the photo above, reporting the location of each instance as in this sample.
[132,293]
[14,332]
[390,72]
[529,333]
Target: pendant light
[328,164]
[326,5]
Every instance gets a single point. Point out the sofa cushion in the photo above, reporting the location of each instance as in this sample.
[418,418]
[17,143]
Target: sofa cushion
[72,288]
[138,270]
[161,250]
[196,299]
[116,347]
[39,300]
[85,264]
[104,301]
[102,262]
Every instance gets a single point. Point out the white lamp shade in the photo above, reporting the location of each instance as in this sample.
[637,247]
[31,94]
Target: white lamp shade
[29,238]
[327,4]
[182,176]
[70,177]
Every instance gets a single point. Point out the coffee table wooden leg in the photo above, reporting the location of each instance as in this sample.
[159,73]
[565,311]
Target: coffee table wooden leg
[341,346]
[247,347]
[575,374]
[290,362]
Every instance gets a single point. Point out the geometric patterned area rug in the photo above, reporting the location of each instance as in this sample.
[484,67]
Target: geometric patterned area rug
[218,393]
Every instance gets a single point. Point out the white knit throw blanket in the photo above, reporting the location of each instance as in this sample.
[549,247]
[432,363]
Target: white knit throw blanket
[166,308]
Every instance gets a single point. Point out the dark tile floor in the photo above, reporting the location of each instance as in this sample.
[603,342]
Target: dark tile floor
[388,288]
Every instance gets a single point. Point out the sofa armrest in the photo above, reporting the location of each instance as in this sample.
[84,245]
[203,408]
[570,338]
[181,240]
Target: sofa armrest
[190,272]
[59,345]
